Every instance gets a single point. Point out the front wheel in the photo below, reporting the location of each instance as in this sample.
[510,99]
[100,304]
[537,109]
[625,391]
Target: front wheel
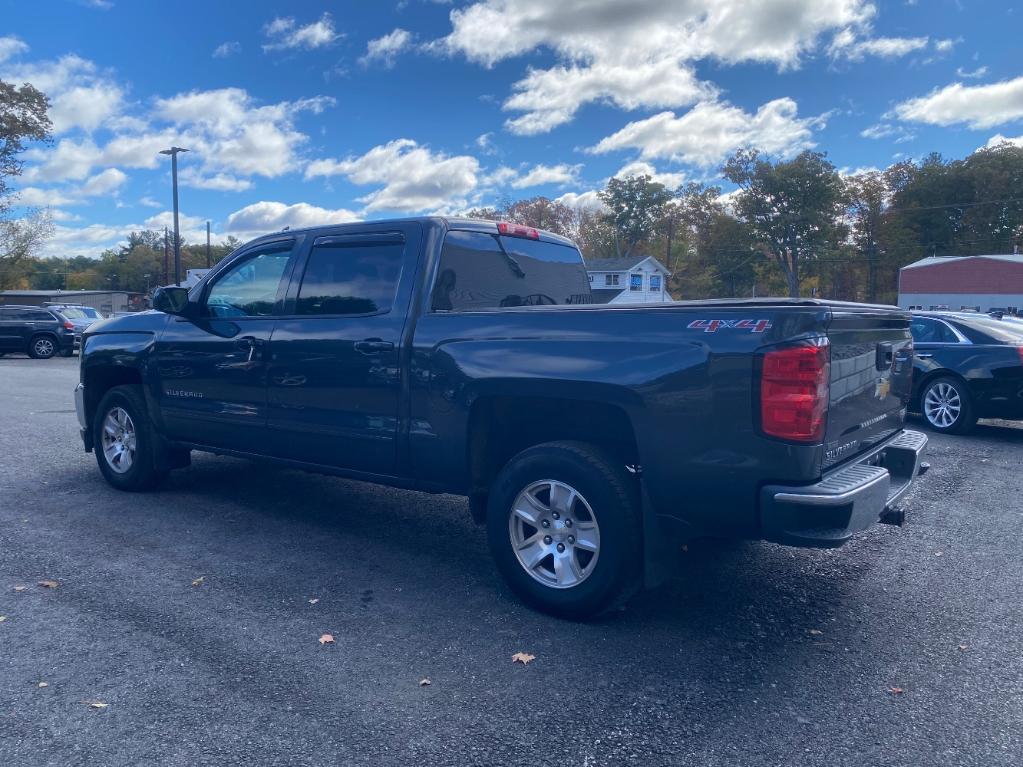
[123,440]
[947,405]
[565,529]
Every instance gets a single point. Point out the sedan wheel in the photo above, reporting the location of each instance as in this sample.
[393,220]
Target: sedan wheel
[942,405]
[947,406]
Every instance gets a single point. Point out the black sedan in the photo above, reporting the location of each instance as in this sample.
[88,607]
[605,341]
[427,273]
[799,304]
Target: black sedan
[966,366]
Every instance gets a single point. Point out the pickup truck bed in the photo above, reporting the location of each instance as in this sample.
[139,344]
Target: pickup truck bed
[464,356]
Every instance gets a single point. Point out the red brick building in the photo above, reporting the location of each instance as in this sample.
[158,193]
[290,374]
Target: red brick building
[967,282]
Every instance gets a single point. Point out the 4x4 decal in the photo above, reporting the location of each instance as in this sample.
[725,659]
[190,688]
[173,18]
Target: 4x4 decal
[712,326]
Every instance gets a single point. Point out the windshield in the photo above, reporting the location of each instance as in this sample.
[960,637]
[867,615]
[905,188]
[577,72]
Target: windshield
[73,314]
[93,313]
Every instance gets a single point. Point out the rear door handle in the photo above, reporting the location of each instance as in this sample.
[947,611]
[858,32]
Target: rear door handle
[924,356]
[373,346]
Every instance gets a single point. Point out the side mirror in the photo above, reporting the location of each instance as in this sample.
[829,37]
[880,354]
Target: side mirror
[171,299]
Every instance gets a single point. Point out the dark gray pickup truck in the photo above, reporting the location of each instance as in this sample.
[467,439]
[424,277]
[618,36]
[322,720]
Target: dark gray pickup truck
[467,357]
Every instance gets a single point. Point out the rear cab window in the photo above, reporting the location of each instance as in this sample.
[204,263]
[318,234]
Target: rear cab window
[480,270]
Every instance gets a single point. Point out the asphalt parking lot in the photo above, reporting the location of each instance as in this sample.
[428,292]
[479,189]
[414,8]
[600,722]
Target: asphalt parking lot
[195,614]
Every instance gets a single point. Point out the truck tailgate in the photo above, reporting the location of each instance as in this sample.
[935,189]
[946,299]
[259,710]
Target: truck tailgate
[871,379]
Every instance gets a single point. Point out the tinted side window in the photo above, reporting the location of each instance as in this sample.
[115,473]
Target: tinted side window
[360,278]
[486,271]
[249,288]
[34,315]
[925,331]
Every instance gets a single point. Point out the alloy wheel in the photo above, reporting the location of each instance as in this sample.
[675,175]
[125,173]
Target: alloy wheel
[942,405]
[554,534]
[119,442]
[43,347]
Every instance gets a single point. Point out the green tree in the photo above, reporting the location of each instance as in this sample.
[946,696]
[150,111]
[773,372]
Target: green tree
[22,118]
[792,207]
[635,205]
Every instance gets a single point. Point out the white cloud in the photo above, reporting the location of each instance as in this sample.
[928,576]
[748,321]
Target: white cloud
[80,96]
[226,49]
[219,182]
[944,46]
[34,197]
[888,130]
[413,177]
[999,139]
[710,131]
[10,47]
[640,168]
[104,183]
[977,106]
[384,50]
[262,217]
[68,160]
[550,97]
[847,45]
[589,201]
[971,75]
[638,54]
[234,135]
[149,202]
[539,175]
[285,34]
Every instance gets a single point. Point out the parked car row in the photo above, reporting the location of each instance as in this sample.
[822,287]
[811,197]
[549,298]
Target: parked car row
[42,332]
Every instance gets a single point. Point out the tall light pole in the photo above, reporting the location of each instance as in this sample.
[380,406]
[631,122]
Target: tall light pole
[173,152]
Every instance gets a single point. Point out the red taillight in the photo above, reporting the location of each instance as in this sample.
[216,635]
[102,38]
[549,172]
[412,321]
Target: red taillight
[517,230]
[1020,350]
[794,392]
[68,325]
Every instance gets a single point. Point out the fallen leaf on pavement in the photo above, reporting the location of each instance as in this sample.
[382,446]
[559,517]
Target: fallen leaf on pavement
[314,601]
[3,618]
[199,581]
[20,588]
[523,658]
[44,684]
[963,646]
[49,584]
[327,639]
[425,682]
[95,703]
[816,632]
[896,690]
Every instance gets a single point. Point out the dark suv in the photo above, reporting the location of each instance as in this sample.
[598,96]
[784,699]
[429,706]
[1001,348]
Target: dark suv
[36,331]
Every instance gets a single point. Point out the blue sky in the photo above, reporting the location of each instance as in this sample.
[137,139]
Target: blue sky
[308,112]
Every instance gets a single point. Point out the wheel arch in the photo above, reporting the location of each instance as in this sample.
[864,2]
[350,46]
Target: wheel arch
[502,426]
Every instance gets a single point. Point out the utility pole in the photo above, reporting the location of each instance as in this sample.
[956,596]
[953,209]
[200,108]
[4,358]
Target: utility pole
[173,152]
[208,245]
[166,259]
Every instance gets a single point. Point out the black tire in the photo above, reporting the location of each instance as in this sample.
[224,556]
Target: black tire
[141,474]
[957,394]
[609,493]
[42,347]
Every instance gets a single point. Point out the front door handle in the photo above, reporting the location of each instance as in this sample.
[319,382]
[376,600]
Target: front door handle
[373,346]
[924,355]
[250,344]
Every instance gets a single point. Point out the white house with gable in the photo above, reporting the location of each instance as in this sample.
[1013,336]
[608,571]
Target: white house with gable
[635,280]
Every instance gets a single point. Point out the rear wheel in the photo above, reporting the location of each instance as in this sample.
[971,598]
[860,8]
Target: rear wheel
[124,440]
[42,347]
[565,529]
[947,405]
